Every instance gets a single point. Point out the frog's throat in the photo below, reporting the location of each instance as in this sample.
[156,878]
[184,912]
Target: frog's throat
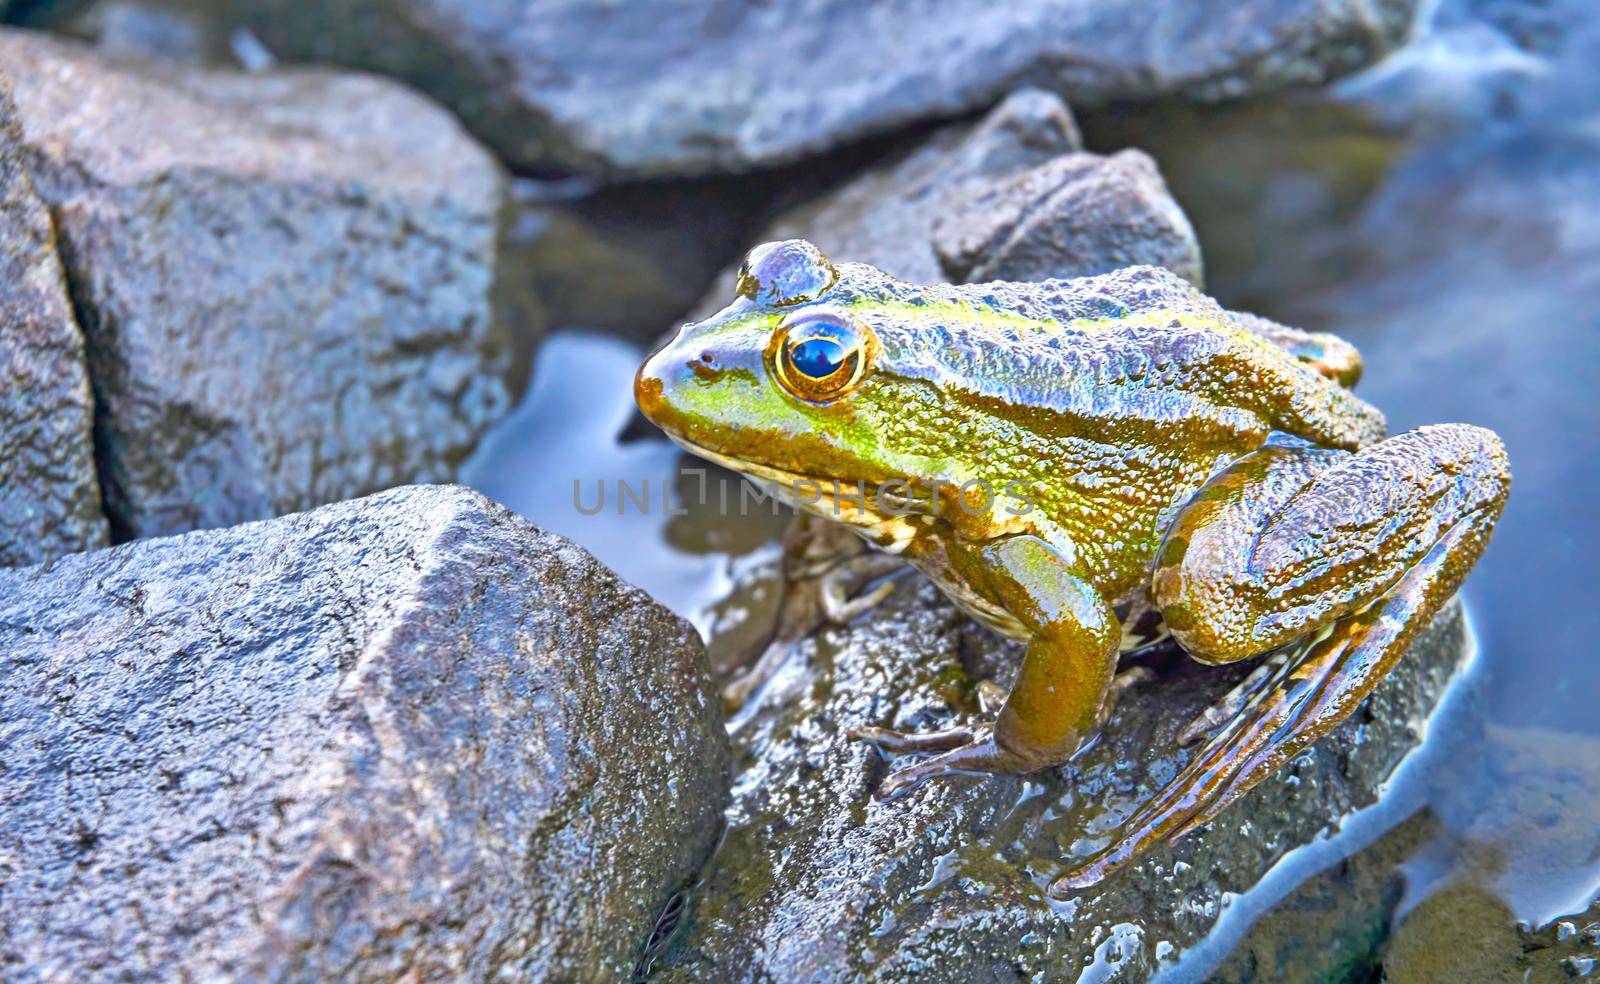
[841,500]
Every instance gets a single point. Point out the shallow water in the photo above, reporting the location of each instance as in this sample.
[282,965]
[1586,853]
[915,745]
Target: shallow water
[1459,248]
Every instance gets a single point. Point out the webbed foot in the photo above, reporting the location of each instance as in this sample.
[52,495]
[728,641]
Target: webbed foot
[970,750]
[966,751]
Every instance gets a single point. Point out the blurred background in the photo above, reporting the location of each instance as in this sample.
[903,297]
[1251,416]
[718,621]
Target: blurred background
[529,196]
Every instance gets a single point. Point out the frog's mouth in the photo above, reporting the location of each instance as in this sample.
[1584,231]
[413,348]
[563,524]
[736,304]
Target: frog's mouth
[842,500]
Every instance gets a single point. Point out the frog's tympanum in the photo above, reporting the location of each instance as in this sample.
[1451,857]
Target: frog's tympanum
[1056,455]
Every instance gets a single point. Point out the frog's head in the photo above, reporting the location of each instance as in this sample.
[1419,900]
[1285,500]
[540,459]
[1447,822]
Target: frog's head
[796,379]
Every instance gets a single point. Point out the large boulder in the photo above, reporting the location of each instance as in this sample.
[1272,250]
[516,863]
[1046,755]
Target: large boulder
[404,737]
[49,498]
[818,881]
[695,86]
[284,280]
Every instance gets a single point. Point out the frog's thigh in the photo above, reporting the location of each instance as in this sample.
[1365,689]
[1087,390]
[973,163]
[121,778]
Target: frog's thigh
[1291,539]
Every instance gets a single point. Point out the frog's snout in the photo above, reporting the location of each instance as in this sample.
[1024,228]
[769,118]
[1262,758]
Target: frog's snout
[650,385]
[665,375]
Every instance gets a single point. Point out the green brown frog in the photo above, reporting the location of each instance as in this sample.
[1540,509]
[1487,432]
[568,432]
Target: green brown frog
[1053,454]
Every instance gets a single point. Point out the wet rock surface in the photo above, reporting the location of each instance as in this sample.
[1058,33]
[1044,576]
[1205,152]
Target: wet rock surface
[1011,197]
[695,87]
[817,881]
[49,496]
[284,280]
[1333,927]
[409,736]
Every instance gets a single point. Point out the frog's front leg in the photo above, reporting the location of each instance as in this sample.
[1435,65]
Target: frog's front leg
[1355,553]
[821,577]
[1060,687]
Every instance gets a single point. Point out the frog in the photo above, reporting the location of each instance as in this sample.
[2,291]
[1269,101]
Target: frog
[1065,458]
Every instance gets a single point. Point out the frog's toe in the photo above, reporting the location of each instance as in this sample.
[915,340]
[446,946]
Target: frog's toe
[902,742]
[981,756]
[1268,672]
[839,608]
[991,696]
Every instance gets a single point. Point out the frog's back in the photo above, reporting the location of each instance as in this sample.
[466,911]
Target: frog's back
[1137,356]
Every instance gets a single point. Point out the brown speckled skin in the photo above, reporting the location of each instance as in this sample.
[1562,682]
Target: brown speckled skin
[1148,432]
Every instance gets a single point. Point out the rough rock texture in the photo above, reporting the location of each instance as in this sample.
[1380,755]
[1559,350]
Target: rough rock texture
[1332,928]
[284,280]
[1012,197]
[817,881]
[404,737]
[49,498]
[685,86]
[1075,216]
[885,215]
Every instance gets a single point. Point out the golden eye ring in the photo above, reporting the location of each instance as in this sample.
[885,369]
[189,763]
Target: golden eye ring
[820,355]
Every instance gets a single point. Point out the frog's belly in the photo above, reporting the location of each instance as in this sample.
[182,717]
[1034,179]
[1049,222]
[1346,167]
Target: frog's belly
[981,608]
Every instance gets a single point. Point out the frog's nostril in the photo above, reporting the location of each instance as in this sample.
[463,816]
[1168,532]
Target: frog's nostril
[705,366]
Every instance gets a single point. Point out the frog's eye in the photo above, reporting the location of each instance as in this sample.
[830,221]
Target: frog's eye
[820,356]
[784,273]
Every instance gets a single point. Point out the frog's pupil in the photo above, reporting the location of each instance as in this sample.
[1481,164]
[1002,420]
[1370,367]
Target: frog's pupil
[818,357]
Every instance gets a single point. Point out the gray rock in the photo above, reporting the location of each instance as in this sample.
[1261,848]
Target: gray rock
[817,881]
[1011,197]
[403,737]
[1269,185]
[695,86]
[284,280]
[49,496]
[1075,216]
[886,215]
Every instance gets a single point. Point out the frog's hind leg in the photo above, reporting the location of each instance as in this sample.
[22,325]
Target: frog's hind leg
[1357,552]
[1269,672]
